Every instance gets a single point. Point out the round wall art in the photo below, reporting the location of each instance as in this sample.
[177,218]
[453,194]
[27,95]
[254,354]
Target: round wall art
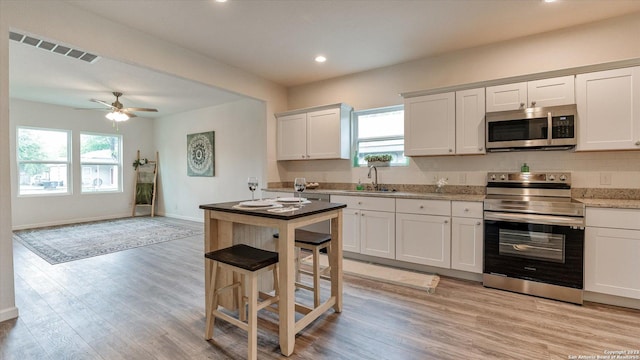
[200,154]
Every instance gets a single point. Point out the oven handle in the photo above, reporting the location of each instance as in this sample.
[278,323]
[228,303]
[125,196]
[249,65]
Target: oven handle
[535,219]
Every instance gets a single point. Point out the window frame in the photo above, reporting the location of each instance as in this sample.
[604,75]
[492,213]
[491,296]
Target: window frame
[117,163]
[68,162]
[356,140]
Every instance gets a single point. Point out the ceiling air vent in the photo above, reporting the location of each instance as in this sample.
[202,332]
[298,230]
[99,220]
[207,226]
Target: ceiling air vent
[53,47]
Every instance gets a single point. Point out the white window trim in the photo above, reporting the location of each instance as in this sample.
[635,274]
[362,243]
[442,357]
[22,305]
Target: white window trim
[69,163]
[354,130]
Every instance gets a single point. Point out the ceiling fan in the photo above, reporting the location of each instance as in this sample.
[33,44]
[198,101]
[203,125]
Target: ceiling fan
[117,112]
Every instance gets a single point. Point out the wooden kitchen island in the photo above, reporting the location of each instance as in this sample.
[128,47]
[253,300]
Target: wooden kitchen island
[225,225]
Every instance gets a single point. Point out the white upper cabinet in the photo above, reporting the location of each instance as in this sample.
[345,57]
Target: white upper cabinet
[609,109]
[321,133]
[470,128]
[538,93]
[429,125]
[292,137]
[506,97]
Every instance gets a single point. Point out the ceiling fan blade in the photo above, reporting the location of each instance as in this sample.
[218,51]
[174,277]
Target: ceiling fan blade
[103,103]
[92,109]
[130,115]
[139,109]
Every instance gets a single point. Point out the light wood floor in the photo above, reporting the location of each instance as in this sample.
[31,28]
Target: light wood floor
[147,303]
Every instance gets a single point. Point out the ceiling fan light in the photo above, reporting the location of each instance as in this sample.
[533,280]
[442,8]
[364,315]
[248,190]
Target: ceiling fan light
[117,116]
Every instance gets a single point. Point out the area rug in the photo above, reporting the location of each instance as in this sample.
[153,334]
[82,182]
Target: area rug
[391,275]
[59,244]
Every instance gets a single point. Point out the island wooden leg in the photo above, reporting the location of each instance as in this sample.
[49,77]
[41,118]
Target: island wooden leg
[287,289]
[336,261]
[210,241]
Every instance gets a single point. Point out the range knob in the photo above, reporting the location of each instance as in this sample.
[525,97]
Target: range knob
[552,177]
[563,178]
[503,177]
[493,177]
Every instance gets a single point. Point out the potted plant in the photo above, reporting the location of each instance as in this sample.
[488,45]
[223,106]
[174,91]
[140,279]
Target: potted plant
[139,162]
[378,159]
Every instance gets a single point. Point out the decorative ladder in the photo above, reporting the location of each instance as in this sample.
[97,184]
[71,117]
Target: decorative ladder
[144,193]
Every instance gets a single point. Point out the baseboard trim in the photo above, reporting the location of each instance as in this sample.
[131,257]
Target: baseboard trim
[8,314]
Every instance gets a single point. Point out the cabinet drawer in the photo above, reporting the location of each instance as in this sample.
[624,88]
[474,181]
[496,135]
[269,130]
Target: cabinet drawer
[613,218]
[366,203]
[468,209]
[427,207]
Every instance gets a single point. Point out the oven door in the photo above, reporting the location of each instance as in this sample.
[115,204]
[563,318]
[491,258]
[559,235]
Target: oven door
[540,248]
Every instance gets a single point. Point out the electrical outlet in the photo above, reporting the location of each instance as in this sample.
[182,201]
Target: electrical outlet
[462,178]
[605,178]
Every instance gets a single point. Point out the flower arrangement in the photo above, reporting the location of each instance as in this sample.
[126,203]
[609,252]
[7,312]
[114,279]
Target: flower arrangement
[139,162]
[440,183]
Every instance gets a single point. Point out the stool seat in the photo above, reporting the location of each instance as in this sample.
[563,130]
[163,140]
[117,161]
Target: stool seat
[309,237]
[244,257]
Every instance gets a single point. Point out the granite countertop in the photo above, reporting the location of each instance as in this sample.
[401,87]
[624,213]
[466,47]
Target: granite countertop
[601,198]
[393,194]
[611,203]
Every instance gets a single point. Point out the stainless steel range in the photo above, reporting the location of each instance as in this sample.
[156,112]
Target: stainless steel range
[534,235]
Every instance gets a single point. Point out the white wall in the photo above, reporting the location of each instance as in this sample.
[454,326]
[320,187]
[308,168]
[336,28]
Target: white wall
[596,43]
[240,142]
[34,211]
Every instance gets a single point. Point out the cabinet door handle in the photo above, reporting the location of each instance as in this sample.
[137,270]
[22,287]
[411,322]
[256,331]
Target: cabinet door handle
[421,206]
[356,213]
[466,209]
[478,223]
[303,156]
[521,105]
[446,221]
[362,214]
[637,142]
[480,148]
[359,202]
[533,104]
[450,150]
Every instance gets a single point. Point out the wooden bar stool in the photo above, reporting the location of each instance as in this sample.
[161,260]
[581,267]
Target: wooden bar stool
[315,242]
[248,263]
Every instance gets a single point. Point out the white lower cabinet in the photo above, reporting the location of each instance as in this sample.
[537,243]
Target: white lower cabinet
[423,239]
[377,234]
[612,252]
[467,236]
[368,225]
[440,233]
[350,229]
[423,232]
[467,244]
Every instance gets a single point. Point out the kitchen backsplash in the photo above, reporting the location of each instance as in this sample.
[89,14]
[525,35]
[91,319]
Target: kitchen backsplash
[612,170]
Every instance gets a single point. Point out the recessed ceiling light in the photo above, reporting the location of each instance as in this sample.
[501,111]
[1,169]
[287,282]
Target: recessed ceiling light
[549,1]
[320,59]
[221,1]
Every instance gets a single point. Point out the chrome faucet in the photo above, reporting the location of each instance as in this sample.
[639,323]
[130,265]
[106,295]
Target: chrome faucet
[375,181]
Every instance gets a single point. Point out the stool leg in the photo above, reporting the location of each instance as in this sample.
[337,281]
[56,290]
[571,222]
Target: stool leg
[253,318]
[316,277]
[276,282]
[213,301]
[239,296]
[298,263]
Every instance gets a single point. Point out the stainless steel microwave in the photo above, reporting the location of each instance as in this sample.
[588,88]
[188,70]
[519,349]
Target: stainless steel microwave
[542,128]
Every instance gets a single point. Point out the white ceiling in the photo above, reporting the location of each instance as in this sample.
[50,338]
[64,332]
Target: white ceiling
[278,39]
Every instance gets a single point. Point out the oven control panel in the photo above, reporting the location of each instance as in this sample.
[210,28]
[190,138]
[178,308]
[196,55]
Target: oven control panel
[529,177]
